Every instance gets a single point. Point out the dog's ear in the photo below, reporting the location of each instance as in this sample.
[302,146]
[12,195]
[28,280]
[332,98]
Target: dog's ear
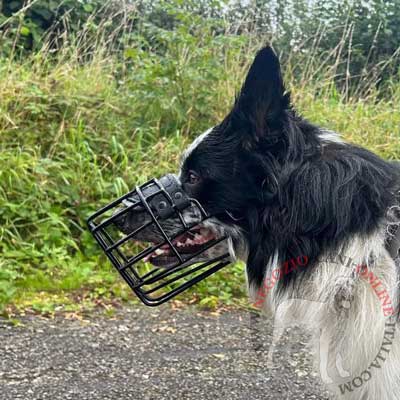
[262,99]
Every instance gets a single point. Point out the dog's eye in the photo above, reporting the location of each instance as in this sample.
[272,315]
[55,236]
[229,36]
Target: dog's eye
[193,178]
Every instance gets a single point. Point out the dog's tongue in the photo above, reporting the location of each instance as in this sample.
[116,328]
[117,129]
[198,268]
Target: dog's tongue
[187,243]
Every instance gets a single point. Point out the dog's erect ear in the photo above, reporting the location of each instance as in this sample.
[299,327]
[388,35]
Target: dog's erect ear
[262,99]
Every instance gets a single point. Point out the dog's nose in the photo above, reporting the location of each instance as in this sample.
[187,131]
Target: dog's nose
[129,219]
[120,220]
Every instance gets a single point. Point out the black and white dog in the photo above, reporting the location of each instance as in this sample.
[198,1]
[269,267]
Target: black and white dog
[280,187]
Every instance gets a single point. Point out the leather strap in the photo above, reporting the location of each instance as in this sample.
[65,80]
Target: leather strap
[164,196]
[393,243]
[393,239]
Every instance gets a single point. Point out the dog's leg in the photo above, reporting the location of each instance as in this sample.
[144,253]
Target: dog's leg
[276,336]
[359,354]
[363,339]
[340,367]
[325,352]
[369,354]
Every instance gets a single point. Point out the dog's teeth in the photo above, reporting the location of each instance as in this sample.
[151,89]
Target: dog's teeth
[199,239]
[158,252]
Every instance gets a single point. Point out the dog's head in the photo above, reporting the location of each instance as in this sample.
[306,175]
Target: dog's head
[232,171]
[264,186]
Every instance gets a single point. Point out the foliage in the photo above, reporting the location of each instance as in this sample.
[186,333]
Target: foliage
[359,39]
[82,125]
[30,21]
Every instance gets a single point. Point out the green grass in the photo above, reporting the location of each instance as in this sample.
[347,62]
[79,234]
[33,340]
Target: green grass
[74,135]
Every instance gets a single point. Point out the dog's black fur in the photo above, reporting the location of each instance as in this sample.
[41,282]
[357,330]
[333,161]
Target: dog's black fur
[270,172]
[279,187]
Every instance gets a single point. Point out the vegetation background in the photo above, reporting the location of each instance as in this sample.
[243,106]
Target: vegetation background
[97,96]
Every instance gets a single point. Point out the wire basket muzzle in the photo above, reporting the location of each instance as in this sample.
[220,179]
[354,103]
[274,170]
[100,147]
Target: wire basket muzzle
[148,221]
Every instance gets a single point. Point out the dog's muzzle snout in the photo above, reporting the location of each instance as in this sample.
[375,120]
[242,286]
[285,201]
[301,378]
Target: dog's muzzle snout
[127,222]
[158,225]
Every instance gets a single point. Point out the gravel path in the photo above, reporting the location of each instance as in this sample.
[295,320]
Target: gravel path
[145,354]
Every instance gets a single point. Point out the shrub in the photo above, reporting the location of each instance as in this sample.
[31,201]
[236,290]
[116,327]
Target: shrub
[82,125]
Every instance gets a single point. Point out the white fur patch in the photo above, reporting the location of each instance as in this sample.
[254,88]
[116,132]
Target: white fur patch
[348,336]
[327,135]
[194,144]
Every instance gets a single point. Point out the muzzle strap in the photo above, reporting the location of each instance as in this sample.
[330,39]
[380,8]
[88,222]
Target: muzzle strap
[164,196]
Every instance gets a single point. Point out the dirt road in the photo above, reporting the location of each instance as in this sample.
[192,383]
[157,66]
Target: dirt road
[145,354]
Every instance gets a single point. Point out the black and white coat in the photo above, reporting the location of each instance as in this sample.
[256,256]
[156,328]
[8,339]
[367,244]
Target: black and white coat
[281,187]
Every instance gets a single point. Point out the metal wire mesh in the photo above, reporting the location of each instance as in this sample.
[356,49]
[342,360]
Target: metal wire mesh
[157,201]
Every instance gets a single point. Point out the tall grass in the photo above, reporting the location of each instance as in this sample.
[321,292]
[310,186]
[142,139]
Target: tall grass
[83,126]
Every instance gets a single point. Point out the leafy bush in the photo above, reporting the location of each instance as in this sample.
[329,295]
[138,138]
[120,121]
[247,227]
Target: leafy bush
[29,25]
[74,135]
[84,124]
[359,39]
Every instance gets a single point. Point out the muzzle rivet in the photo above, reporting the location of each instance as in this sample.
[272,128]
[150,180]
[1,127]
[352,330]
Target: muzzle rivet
[162,205]
[178,195]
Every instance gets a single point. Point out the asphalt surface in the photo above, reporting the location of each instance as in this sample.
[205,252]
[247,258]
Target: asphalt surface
[144,354]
